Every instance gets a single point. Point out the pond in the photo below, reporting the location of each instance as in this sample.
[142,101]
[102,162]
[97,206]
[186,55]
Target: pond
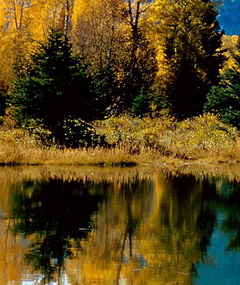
[84,226]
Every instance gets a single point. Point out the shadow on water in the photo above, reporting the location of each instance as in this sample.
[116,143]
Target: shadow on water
[121,228]
[54,213]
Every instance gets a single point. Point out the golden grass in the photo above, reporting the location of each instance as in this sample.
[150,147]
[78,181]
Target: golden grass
[202,139]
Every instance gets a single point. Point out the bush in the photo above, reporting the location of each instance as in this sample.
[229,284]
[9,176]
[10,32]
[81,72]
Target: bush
[188,138]
[75,132]
[13,137]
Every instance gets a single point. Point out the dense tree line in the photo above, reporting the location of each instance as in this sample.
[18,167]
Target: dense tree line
[68,62]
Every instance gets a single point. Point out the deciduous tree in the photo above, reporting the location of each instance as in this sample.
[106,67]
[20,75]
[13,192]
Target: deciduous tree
[140,62]
[109,35]
[99,37]
[188,36]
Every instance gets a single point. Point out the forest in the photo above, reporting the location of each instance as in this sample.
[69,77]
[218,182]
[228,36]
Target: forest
[78,73]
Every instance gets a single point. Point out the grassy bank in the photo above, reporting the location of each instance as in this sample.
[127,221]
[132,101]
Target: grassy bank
[131,142]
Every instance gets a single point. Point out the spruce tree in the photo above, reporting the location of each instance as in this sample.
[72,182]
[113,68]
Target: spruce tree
[56,91]
[224,99]
[54,85]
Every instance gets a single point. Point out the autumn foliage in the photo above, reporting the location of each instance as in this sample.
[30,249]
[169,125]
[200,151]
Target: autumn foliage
[66,61]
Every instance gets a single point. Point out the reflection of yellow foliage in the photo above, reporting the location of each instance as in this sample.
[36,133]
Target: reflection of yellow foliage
[144,232]
[11,255]
[112,255]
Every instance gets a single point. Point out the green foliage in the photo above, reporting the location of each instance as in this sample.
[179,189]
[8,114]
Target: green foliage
[3,94]
[54,87]
[140,69]
[2,103]
[105,87]
[224,99]
[141,105]
[78,133]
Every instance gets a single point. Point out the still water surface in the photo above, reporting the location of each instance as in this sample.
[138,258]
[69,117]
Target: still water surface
[95,227]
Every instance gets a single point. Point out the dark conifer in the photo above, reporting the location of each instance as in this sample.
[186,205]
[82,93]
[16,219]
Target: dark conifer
[224,99]
[55,91]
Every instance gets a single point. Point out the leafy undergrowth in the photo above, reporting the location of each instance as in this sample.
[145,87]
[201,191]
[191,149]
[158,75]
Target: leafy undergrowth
[202,137]
[131,141]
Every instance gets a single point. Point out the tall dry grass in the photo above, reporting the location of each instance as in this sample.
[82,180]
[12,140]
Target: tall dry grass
[131,141]
[200,138]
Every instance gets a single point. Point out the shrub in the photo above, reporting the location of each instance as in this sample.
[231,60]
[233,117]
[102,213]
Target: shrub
[75,132]
[185,139]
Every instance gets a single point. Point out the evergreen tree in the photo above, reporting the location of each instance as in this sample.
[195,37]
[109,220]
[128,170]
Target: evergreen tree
[224,99]
[2,99]
[55,84]
[54,90]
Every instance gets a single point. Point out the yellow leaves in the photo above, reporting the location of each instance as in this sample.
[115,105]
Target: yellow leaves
[95,25]
[133,133]
[229,43]
[206,133]
[46,15]
[192,137]
[34,17]
[24,24]
[169,20]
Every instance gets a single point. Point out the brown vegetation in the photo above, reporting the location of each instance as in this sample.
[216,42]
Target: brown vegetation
[131,141]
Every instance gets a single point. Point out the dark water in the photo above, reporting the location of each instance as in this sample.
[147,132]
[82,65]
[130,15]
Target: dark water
[160,229]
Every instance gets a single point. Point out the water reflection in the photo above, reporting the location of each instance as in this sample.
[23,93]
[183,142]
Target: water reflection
[221,262]
[223,200]
[57,216]
[157,229]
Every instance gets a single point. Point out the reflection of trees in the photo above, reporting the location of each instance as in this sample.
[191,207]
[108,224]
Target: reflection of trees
[130,193]
[224,199]
[146,233]
[53,214]
[111,247]
[185,226]
[11,248]
[231,225]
